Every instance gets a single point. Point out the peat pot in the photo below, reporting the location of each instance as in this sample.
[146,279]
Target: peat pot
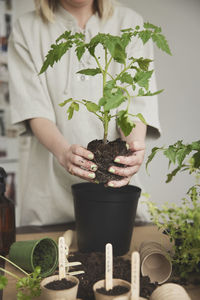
[104,215]
[59,294]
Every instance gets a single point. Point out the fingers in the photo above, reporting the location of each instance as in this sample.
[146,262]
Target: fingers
[78,162]
[74,170]
[132,162]
[137,157]
[80,151]
[119,183]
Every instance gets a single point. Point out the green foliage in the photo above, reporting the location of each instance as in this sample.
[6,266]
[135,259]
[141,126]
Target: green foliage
[177,154]
[3,282]
[181,223]
[114,89]
[28,287]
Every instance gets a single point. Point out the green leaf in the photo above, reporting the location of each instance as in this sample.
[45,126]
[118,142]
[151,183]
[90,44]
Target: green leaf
[142,119]
[102,101]
[119,53]
[170,153]
[196,158]
[76,106]
[151,156]
[181,154]
[126,78]
[195,145]
[3,282]
[92,107]
[65,102]
[142,78]
[64,36]
[55,54]
[145,36]
[124,122]
[154,93]
[72,107]
[126,38]
[91,72]
[148,25]
[144,63]
[172,174]
[161,42]
[141,92]
[80,51]
[114,100]
[70,112]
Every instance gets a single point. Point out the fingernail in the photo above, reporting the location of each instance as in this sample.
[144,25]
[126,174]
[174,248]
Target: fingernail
[117,160]
[111,170]
[127,146]
[91,175]
[93,167]
[110,184]
[90,156]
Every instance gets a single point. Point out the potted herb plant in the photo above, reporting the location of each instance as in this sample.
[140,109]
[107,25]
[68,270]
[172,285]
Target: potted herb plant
[28,287]
[135,74]
[181,222]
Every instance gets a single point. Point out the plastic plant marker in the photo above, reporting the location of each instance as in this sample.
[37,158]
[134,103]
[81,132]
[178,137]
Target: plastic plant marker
[135,276]
[109,267]
[62,257]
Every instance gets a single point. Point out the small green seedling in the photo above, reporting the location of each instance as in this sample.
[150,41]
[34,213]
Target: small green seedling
[28,287]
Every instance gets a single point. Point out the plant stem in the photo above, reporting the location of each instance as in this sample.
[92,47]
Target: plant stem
[9,273]
[16,266]
[106,116]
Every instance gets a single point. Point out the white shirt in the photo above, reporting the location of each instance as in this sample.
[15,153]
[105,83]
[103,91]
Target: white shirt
[47,198]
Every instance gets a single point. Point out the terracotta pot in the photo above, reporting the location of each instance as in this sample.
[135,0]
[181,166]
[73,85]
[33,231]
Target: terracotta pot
[69,294]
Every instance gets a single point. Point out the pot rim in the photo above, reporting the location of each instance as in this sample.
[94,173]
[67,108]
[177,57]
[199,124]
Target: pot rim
[88,186]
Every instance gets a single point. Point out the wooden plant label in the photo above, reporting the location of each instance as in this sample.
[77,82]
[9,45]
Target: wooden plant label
[135,276]
[109,268]
[62,257]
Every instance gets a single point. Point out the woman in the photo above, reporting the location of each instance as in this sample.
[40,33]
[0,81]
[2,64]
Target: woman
[58,156]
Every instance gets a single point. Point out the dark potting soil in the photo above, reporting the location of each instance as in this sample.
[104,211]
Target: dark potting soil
[94,266]
[115,291]
[44,256]
[104,155]
[62,284]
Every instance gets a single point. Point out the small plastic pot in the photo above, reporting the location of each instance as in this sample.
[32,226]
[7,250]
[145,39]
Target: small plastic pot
[48,294]
[104,215]
[101,284]
[33,253]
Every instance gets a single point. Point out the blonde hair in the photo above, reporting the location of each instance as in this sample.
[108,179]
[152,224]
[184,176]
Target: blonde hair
[46,8]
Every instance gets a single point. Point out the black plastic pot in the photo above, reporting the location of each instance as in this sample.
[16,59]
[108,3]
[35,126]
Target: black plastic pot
[104,215]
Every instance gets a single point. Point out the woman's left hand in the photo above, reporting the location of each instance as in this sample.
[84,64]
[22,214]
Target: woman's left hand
[132,162]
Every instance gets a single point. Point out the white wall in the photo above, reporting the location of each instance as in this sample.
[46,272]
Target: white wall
[178,75]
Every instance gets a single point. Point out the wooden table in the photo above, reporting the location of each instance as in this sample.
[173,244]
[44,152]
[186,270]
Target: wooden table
[140,234]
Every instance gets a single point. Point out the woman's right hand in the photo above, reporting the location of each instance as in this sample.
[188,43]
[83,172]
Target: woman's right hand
[74,158]
[77,161]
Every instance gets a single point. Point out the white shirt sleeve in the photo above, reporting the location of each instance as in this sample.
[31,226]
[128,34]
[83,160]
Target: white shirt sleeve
[28,96]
